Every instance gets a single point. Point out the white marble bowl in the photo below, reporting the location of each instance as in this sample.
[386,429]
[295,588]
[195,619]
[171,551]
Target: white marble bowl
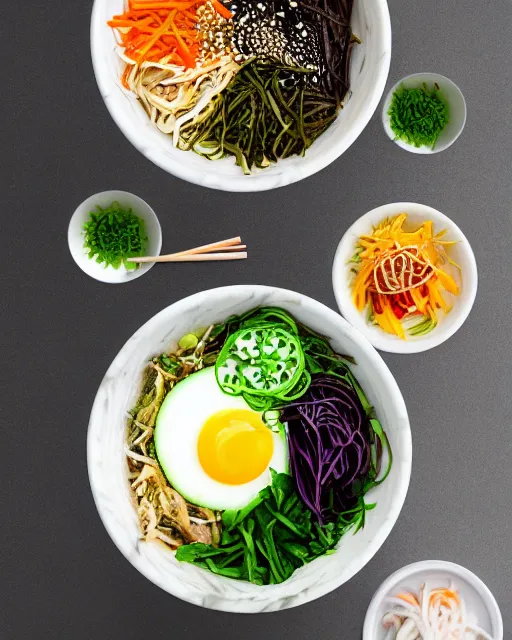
[108,469]
[369,72]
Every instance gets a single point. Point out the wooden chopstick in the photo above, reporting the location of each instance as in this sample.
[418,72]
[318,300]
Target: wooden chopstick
[222,244]
[192,252]
[201,254]
[235,247]
[193,257]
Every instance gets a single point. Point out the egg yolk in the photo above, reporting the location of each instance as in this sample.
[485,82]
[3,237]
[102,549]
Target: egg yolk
[234,446]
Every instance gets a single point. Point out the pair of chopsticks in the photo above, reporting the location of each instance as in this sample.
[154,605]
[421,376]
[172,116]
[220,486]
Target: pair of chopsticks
[230,249]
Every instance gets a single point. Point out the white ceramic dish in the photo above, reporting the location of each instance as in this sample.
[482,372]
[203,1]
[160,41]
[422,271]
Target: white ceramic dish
[369,71]
[456,103]
[76,235]
[461,253]
[479,600]
[108,470]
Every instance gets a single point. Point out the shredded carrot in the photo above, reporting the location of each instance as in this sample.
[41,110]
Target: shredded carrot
[221,9]
[410,598]
[183,49]
[402,275]
[153,29]
[124,77]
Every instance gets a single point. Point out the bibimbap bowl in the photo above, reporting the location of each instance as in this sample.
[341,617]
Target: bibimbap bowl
[369,67]
[108,467]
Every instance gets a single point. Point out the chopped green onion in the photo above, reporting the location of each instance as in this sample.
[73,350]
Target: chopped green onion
[114,234]
[418,116]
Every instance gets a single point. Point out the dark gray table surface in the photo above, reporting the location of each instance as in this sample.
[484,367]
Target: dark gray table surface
[61,575]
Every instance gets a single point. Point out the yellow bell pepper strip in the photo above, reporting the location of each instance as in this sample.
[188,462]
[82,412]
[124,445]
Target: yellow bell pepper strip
[402,274]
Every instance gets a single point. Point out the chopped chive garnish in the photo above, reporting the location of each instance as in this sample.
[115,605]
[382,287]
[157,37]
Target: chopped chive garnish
[418,116]
[114,234]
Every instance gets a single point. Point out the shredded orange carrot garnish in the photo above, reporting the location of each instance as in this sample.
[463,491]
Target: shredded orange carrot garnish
[151,30]
[402,274]
[221,9]
[410,598]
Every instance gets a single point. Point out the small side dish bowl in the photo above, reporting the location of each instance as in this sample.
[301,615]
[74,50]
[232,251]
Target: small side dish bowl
[369,67]
[76,236]
[438,573]
[108,470]
[461,253]
[450,92]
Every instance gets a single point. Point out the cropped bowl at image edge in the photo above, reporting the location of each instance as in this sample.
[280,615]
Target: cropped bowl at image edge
[108,468]
[76,235]
[369,70]
[477,598]
[461,253]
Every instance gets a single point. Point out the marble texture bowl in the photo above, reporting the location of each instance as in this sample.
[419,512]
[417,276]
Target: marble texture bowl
[369,72]
[108,468]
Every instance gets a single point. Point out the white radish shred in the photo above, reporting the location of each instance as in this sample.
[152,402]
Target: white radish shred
[432,614]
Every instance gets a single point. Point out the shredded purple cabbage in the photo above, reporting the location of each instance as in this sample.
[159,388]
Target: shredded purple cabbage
[331,442]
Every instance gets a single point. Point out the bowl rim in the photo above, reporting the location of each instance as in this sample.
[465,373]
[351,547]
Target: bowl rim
[416,568]
[312,593]
[118,276]
[258,181]
[341,288]
[410,147]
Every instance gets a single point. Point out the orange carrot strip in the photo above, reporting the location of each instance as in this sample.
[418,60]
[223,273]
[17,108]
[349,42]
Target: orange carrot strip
[124,77]
[164,5]
[221,9]
[188,59]
[125,22]
[360,286]
[192,16]
[175,3]
[159,32]
[408,597]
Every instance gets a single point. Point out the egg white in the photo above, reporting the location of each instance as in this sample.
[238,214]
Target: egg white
[179,422]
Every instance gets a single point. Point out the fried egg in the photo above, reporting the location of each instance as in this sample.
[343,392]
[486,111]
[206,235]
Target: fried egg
[213,448]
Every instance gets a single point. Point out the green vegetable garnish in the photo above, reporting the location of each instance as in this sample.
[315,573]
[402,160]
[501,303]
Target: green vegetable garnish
[422,328]
[266,541]
[114,234]
[265,361]
[188,342]
[269,358]
[418,116]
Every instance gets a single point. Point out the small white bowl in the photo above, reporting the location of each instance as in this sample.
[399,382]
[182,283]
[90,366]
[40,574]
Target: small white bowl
[456,103]
[477,597]
[461,253]
[76,236]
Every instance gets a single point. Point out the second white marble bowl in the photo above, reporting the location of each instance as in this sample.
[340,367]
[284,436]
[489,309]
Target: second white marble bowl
[369,71]
[108,468]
